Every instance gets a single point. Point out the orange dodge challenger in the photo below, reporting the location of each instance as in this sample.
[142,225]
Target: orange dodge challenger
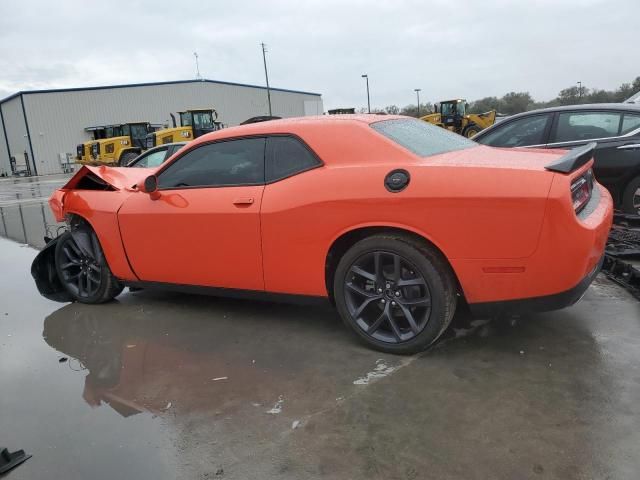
[394,220]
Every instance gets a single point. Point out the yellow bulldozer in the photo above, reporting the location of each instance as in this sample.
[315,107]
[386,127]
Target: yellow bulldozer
[193,124]
[453,116]
[114,145]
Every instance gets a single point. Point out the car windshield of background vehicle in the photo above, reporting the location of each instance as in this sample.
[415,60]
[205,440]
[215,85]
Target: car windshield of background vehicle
[577,126]
[518,133]
[154,159]
[232,162]
[630,122]
[422,138]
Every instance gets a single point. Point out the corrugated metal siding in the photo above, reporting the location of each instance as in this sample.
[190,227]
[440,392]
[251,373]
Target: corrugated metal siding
[16,130]
[57,119]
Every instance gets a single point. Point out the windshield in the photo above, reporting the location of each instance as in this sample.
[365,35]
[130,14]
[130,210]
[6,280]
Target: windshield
[185,119]
[420,137]
[139,130]
[447,109]
[202,120]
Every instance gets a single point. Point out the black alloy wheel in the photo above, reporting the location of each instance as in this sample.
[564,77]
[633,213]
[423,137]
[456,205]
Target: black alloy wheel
[82,268]
[395,292]
[81,273]
[387,297]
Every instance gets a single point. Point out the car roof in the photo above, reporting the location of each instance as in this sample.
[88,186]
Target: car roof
[583,106]
[296,124]
[622,107]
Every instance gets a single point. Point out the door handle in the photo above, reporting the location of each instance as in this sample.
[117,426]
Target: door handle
[243,201]
[629,147]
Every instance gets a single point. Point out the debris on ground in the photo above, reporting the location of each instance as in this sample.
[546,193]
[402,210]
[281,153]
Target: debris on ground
[63,359]
[622,254]
[220,378]
[277,408]
[381,370]
[9,460]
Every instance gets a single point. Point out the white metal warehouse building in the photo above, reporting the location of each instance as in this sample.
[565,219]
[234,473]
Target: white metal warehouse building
[48,124]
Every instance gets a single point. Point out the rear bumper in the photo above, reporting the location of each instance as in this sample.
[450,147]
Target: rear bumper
[538,304]
[570,250]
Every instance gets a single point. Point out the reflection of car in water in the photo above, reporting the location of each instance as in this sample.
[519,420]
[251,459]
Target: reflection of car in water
[136,362]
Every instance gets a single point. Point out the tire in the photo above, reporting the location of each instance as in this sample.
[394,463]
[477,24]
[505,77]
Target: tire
[631,197]
[471,130]
[380,279]
[126,158]
[86,277]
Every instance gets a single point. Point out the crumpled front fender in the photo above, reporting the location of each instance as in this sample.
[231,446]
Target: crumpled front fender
[43,271]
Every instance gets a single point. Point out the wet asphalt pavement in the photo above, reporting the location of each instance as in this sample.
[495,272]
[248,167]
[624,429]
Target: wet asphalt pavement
[158,385]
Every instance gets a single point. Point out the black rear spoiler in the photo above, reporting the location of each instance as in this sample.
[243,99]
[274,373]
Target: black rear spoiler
[573,159]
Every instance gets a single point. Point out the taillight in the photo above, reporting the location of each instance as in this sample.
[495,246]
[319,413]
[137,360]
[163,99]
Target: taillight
[581,189]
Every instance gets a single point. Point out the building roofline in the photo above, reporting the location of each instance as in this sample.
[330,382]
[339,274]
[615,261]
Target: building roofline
[151,84]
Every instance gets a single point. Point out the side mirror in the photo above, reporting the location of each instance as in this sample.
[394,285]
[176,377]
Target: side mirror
[150,185]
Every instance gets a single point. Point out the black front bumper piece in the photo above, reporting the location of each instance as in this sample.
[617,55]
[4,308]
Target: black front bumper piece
[537,304]
[43,271]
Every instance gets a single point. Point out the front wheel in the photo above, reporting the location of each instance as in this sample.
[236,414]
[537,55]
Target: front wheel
[471,131]
[83,271]
[395,293]
[631,197]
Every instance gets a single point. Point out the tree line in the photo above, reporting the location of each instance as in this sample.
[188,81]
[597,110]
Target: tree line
[516,102]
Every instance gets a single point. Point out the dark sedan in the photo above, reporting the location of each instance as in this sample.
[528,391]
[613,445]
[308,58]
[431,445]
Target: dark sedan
[615,128]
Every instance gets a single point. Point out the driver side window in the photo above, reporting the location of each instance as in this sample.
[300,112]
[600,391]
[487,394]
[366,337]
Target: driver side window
[225,163]
[519,133]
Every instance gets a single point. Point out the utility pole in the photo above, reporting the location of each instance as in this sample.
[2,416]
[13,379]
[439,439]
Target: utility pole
[418,90]
[198,76]
[368,98]
[266,75]
[579,89]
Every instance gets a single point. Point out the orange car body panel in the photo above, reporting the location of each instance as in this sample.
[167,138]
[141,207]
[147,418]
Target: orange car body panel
[488,210]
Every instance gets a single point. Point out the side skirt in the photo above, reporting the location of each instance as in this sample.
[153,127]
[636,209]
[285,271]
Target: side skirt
[232,293]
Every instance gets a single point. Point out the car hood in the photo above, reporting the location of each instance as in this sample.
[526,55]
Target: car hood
[491,157]
[117,177]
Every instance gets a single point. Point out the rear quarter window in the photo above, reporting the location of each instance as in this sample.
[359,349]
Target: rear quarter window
[420,137]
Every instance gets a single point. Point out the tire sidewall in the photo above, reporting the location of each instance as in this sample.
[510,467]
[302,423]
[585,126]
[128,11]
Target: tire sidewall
[426,263]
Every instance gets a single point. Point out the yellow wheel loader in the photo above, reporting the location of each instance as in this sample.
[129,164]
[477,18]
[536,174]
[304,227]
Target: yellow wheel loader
[83,150]
[193,124]
[453,116]
[127,142]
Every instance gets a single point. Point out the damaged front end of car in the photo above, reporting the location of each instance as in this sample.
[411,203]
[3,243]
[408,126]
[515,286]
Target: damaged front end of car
[45,274]
[44,270]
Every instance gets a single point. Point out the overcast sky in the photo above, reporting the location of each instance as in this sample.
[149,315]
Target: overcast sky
[447,48]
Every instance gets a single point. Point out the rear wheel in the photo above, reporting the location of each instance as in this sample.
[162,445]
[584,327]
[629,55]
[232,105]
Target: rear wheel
[126,158]
[631,197]
[395,293]
[84,271]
